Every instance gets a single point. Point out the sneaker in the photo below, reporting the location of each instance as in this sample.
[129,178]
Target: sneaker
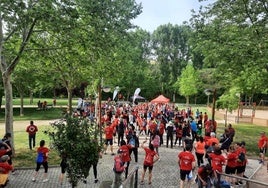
[96,181]
[240,182]
[33,179]
[45,180]
[142,182]
[112,154]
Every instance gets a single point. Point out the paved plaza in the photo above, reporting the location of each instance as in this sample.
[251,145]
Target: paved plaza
[165,172]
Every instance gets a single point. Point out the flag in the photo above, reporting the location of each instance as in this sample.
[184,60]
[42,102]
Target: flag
[115,92]
[136,93]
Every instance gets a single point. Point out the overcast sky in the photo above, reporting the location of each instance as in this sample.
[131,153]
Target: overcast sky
[159,12]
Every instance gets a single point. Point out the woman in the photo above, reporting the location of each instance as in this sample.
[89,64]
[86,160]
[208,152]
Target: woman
[43,152]
[200,150]
[150,158]
[124,148]
[156,141]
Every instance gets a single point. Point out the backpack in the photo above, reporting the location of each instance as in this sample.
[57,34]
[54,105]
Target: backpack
[241,157]
[118,165]
[132,142]
[40,157]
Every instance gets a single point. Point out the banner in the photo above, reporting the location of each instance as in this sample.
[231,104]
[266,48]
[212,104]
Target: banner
[136,93]
[115,92]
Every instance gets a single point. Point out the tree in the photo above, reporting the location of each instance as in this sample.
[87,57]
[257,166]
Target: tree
[187,84]
[77,138]
[171,51]
[231,36]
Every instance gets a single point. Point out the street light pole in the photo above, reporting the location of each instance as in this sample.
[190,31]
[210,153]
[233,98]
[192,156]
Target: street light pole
[99,111]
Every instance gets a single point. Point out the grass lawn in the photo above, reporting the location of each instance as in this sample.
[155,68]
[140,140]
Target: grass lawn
[26,158]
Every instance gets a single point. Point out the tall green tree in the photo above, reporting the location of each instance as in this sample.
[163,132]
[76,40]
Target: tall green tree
[171,51]
[187,84]
[231,35]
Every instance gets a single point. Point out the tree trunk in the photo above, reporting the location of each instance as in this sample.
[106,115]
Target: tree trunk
[31,97]
[213,105]
[70,107]
[187,100]
[21,104]
[9,106]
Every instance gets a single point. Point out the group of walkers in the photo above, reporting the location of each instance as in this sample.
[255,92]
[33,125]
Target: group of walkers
[201,152]
[153,121]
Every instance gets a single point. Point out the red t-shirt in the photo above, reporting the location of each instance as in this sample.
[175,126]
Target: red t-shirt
[186,159]
[6,167]
[43,150]
[31,129]
[149,157]
[238,151]
[125,152]
[109,130]
[217,161]
[232,159]
[262,140]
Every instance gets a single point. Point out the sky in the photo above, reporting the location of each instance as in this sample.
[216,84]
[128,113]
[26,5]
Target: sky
[160,12]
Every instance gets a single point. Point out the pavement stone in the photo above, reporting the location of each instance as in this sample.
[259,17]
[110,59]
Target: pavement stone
[165,172]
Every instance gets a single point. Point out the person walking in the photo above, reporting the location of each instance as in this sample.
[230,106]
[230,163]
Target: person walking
[155,141]
[169,131]
[200,150]
[125,148]
[150,158]
[262,145]
[186,161]
[42,156]
[109,130]
[31,130]
[118,169]
[134,141]
[217,161]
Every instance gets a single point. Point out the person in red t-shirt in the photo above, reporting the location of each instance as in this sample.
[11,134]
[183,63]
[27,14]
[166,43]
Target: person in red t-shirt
[186,161]
[4,166]
[262,144]
[241,163]
[31,130]
[44,150]
[150,158]
[217,162]
[109,131]
[124,148]
[231,164]
[4,149]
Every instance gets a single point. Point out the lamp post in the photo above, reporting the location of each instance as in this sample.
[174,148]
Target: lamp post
[100,89]
[238,108]
[208,92]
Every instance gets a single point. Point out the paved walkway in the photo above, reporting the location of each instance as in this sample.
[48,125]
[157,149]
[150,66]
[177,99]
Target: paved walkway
[165,172]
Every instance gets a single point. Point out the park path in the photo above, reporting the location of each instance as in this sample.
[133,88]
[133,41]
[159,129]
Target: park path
[21,125]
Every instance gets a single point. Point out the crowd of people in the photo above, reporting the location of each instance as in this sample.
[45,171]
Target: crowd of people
[202,151]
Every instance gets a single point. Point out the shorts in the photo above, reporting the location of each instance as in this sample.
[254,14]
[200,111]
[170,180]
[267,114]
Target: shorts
[240,169]
[263,150]
[184,173]
[109,142]
[230,170]
[148,166]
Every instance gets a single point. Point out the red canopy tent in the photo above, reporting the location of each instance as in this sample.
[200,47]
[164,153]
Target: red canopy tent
[160,99]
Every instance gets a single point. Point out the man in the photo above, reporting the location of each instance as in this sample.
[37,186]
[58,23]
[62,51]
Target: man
[186,161]
[169,131]
[31,129]
[262,145]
